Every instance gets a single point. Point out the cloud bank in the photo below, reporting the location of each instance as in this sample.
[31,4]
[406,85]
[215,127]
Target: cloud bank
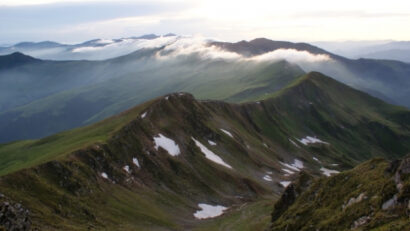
[200,46]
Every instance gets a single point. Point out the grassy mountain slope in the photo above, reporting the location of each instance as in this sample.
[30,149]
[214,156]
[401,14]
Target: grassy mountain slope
[385,79]
[60,178]
[210,79]
[332,109]
[24,79]
[358,199]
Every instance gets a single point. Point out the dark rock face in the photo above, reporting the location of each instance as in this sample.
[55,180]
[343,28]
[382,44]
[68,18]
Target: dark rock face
[291,193]
[13,216]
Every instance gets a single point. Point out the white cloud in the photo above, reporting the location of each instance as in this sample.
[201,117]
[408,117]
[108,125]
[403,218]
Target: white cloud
[291,55]
[199,45]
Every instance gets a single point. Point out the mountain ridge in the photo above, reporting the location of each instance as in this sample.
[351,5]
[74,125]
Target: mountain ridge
[71,176]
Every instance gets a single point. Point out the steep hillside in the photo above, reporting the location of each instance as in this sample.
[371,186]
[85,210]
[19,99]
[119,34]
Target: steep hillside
[373,196]
[38,98]
[154,166]
[385,79]
[86,91]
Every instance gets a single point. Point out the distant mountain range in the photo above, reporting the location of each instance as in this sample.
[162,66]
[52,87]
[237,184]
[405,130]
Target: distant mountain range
[42,97]
[96,49]
[173,161]
[385,50]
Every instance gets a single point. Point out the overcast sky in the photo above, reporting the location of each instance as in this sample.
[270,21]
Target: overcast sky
[295,20]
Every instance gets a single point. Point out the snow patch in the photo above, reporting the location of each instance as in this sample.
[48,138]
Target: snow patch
[288,171]
[166,143]
[210,155]
[166,97]
[390,202]
[290,166]
[104,175]
[316,159]
[293,142]
[311,140]
[211,142]
[267,178]
[354,200]
[143,115]
[328,172]
[136,162]
[226,132]
[297,165]
[285,183]
[209,211]
[126,168]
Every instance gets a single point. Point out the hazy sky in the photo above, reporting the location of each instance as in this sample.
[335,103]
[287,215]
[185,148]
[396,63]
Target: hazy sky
[296,20]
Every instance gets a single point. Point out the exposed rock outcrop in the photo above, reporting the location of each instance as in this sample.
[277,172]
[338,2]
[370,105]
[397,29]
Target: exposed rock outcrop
[13,216]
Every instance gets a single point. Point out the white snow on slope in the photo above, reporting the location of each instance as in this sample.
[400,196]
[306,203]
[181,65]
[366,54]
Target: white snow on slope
[293,142]
[328,172]
[210,155]
[226,132]
[209,211]
[166,143]
[297,165]
[285,183]
[288,171]
[143,115]
[316,159]
[104,175]
[136,162]
[311,140]
[290,166]
[211,142]
[267,178]
[126,168]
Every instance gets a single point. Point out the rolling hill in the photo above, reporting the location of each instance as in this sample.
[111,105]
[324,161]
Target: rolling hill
[155,166]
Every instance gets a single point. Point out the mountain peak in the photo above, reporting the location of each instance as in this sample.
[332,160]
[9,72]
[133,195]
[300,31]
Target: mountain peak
[262,45]
[15,59]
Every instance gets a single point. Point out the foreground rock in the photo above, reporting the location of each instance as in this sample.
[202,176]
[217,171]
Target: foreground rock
[13,216]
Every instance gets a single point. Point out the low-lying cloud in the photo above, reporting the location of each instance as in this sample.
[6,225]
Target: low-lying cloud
[200,46]
[172,48]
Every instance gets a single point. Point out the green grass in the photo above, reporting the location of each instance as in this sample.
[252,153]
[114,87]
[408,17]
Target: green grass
[67,188]
[321,205]
[246,217]
[24,154]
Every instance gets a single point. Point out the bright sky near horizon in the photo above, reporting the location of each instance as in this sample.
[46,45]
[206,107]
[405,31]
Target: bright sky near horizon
[231,20]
